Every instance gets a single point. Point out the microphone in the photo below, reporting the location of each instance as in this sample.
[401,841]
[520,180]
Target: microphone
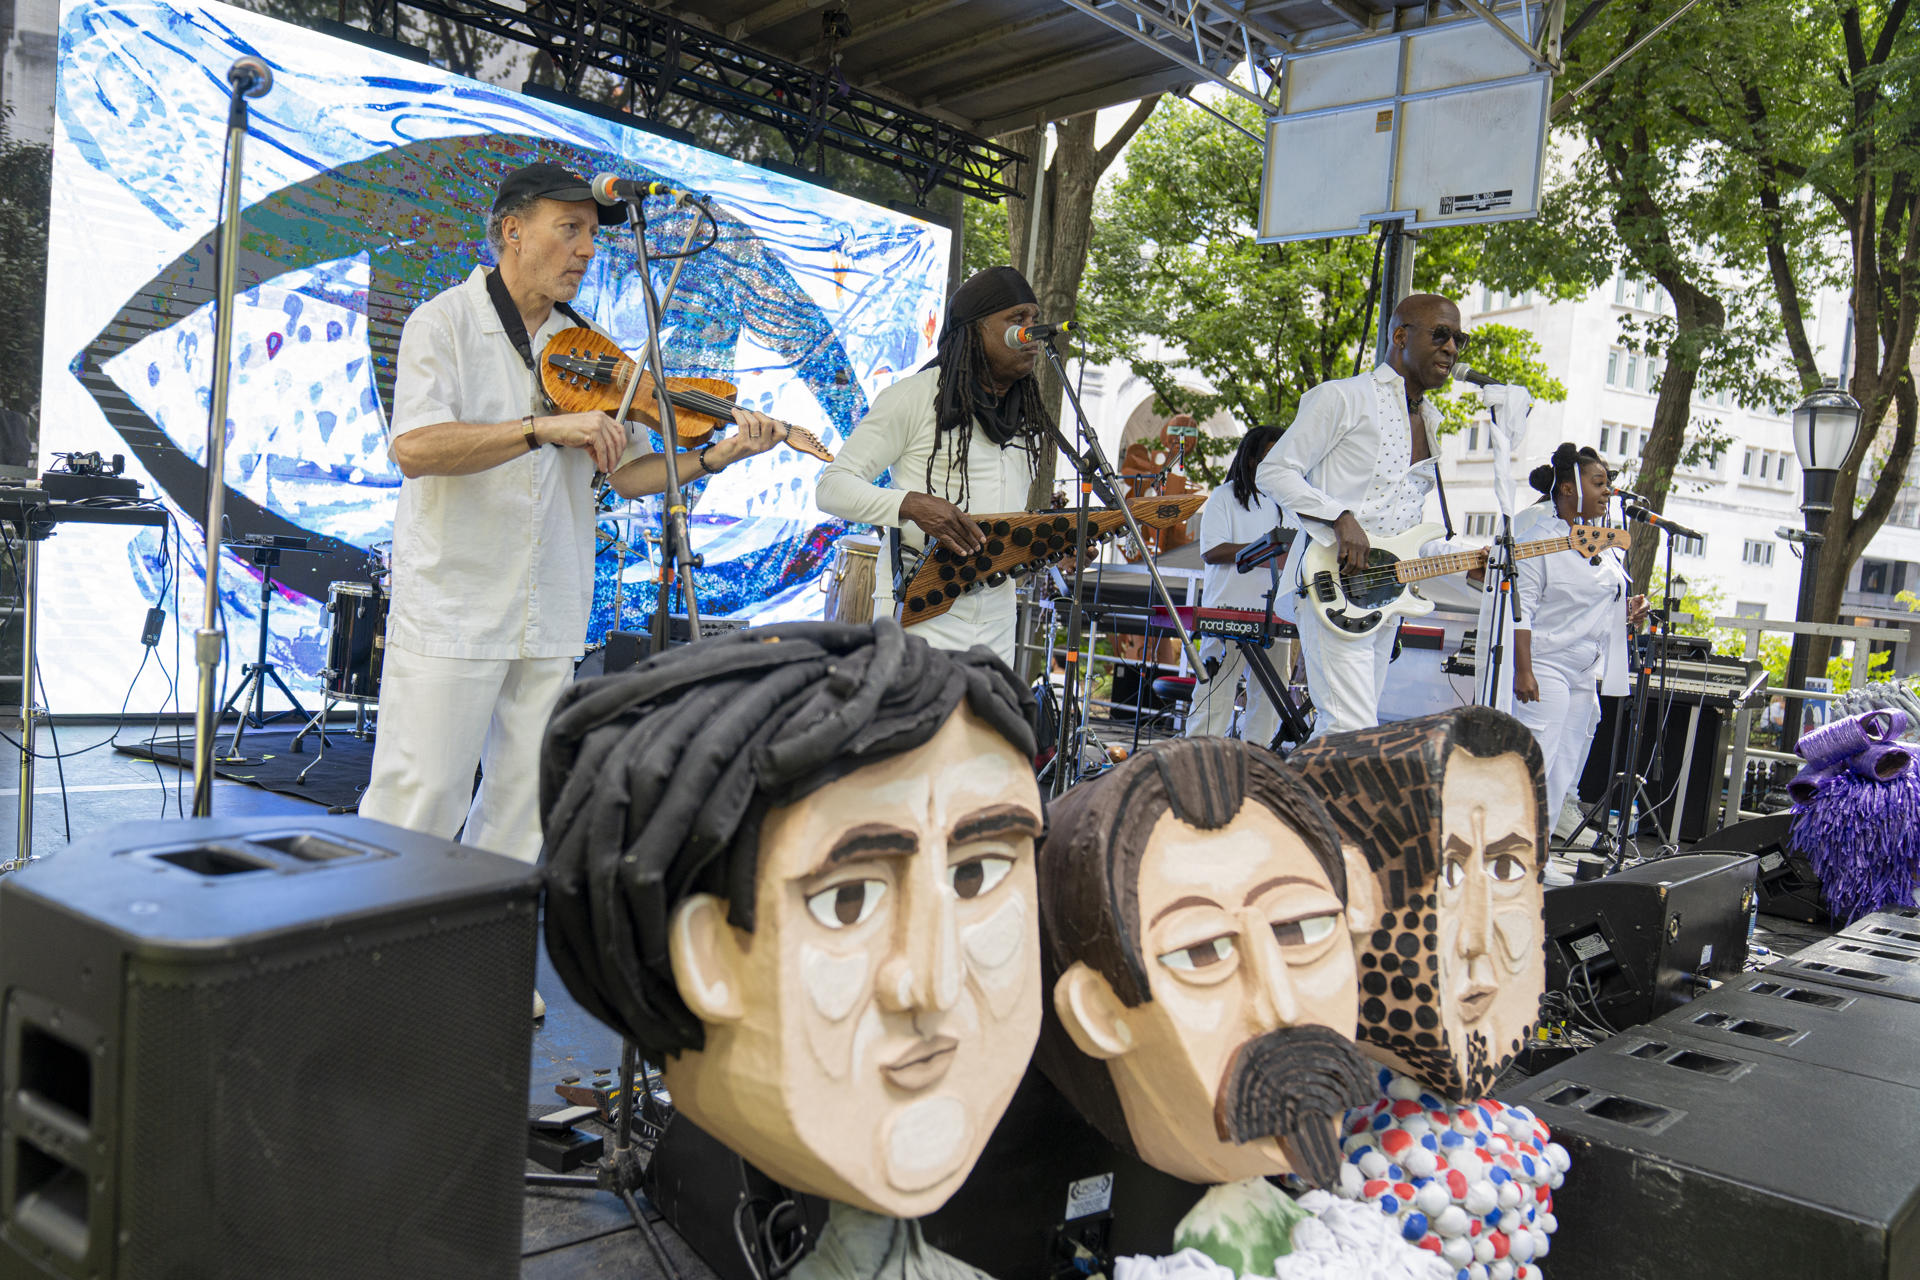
[249,77]
[1461,373]
[611,188]
[1628,494]
[1658,521]
[1026,335]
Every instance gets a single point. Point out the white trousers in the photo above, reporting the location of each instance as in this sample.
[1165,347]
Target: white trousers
[1345,674]
[1211,714]
[1563,721]
[983,617]
[439,718]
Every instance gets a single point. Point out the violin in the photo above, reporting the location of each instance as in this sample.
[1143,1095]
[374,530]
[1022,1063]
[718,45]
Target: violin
[583,371]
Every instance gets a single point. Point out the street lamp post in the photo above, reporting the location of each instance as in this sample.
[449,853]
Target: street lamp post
[1825,425]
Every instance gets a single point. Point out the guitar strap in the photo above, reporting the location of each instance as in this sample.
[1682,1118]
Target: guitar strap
[517,328]
[1440,487]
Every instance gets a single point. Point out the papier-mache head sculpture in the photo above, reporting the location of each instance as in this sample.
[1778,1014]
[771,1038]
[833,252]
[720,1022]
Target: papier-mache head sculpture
[1449,810]
[1196,915]
[795,865]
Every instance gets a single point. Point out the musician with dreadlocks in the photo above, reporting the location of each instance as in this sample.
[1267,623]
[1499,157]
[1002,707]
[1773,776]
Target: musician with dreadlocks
[1236,513]
[961,437]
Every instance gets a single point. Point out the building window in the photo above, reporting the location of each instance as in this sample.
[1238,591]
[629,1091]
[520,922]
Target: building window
[1620,287]
[1876,577]
[1473,438]
[1613,367]
[1653,372]
[1633,369]
[1479,524]
[1606,433]
[1746,463]
[1757,552]
[1780,471]
[1750,609]
[1690,546]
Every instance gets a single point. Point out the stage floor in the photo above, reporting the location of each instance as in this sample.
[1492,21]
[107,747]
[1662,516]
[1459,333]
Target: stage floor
[566,1234]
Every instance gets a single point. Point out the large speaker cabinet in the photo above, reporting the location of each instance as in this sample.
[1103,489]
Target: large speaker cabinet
[245,1049]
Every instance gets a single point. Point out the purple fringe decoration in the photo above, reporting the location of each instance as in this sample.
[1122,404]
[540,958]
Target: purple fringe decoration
[1806,784]
[1844,738]
[1863,839]
[1882,762]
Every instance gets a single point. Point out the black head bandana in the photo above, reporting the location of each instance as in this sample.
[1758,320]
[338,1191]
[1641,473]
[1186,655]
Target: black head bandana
[984,293]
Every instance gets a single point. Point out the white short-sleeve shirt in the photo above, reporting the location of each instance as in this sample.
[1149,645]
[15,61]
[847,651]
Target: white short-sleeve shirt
[498,564]
[1224,520]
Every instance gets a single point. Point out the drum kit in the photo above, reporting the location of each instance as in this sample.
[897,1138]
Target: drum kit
[356,647]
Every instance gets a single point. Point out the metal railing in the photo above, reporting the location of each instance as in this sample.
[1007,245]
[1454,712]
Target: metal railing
[1730,810]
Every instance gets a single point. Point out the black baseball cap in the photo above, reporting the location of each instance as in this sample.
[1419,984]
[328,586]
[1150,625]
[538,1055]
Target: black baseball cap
[552,182]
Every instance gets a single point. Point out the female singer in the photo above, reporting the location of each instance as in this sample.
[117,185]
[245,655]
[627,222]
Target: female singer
[1236,513]
[1571,635]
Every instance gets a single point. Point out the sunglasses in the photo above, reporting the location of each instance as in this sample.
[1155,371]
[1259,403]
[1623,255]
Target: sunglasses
[1461,339]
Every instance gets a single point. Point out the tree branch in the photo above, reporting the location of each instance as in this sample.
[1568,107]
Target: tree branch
[1117,143]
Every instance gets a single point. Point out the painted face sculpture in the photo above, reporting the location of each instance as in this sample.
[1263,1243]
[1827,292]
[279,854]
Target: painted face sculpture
[827,931]
[1197,911]
[1448,810]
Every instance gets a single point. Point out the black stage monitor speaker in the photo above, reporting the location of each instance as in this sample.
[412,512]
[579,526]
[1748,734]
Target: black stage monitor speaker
[1632,945]
[1899,927]
[1808,1022]
[237,1049]
[1696,1157]
[1788,886]
[1856,965]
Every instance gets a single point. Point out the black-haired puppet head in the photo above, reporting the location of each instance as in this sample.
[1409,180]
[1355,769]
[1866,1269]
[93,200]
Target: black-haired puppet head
[795,866]
[1448,810]
[1197,917]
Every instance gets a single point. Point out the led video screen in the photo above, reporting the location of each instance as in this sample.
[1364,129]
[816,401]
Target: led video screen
[366,184]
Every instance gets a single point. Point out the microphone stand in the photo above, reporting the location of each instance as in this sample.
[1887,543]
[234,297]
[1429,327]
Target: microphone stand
[675,545]
[1096,473]
[1500,562]
[247,78]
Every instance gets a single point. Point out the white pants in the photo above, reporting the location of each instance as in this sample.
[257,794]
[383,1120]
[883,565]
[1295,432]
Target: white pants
[440,717]
[1563,721]
[1345,674]
[1211,714]
[984,617]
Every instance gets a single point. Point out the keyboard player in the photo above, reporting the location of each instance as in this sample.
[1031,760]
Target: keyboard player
[1235,514]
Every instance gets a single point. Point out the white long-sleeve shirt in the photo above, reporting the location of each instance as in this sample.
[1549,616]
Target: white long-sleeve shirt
[1576,610]
[1326,462]
[897,438]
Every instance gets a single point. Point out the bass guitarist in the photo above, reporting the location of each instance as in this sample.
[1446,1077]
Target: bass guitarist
[1352,461]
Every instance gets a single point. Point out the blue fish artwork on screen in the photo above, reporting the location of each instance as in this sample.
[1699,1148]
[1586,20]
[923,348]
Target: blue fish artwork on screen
[367,181]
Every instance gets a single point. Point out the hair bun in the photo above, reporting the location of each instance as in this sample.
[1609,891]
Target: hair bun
[1541,477]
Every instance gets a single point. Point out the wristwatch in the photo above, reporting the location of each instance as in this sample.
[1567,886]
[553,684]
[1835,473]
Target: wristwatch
[533,441]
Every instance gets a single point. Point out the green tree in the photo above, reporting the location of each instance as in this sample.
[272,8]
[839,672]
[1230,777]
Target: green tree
[26,175]
[1173,259]
[1784,157]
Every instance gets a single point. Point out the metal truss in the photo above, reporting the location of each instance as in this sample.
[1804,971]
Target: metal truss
[1211,37]
[659,56]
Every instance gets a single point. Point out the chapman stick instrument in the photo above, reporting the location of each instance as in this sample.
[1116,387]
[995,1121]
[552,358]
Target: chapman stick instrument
[1017,543]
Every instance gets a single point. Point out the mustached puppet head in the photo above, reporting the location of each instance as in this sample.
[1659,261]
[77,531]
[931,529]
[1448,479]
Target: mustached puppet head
[1196,915]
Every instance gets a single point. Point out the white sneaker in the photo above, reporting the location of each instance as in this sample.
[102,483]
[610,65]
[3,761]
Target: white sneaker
[539,1006]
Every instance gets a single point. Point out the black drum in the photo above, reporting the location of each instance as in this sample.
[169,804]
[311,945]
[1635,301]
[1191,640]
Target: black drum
[357,641]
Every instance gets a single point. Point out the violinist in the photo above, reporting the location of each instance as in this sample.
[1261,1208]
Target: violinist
[961,437]
[493,541]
